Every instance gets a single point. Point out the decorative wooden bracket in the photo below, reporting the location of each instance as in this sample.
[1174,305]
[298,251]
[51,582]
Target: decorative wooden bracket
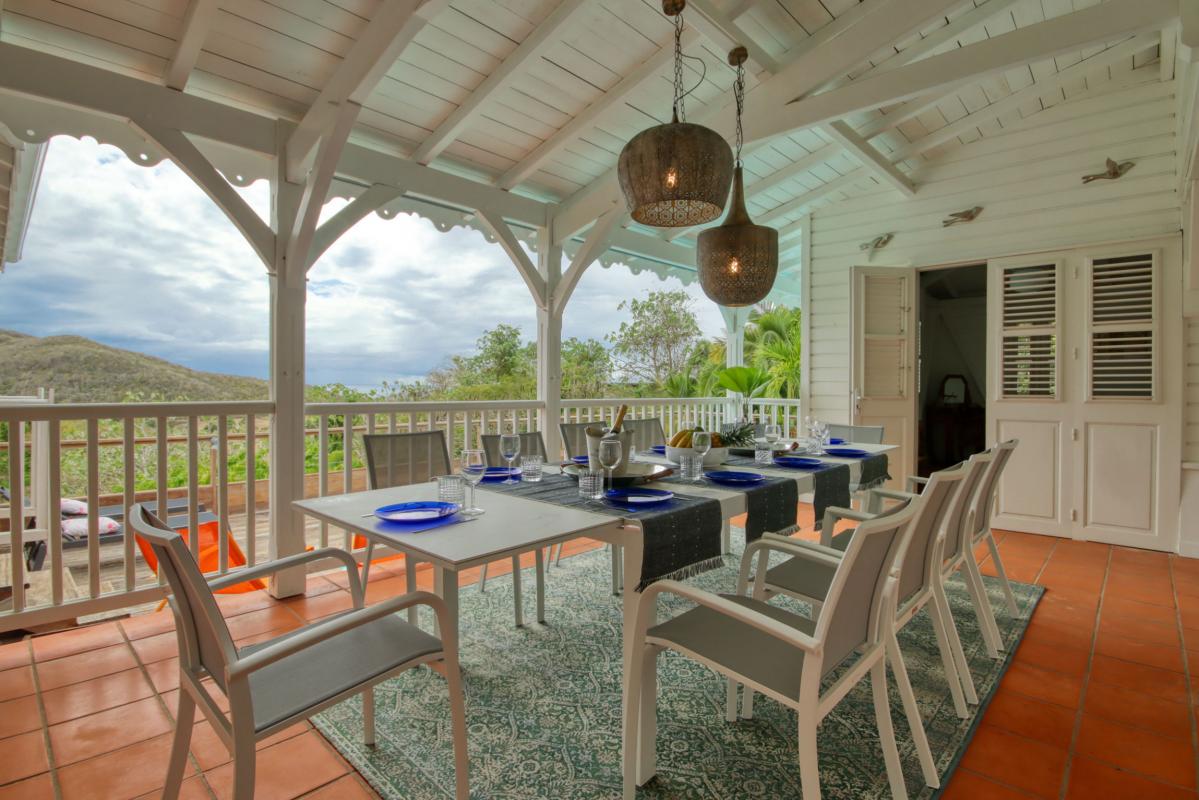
[1113,171]
[969,215]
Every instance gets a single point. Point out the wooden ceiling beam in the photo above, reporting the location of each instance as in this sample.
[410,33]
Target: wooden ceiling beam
[542,37]
[723,31]
[870,158]
[196,23]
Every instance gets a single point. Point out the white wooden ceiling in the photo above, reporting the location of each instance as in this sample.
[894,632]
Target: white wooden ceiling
[539,96]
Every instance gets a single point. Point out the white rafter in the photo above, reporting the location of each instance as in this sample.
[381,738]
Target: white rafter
[870,158]
[582,121]
[394,25]
[956,68]
[196,23]
[807,198]
[543,36]
[723,31]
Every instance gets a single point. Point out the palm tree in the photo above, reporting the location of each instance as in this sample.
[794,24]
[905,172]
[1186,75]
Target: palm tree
[774,343]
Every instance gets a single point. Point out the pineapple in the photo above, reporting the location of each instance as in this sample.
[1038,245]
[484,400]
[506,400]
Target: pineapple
[741,435]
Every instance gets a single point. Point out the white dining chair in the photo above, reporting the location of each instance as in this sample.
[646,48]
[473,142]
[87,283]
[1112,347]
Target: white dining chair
[272,685]
[857,434]
[783,655]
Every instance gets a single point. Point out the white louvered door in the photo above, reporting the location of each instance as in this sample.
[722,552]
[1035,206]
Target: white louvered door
[1026,396]
[1083,342]
[884,357]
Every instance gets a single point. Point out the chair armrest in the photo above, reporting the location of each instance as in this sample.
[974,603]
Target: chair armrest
[271,567]
[875,497]
[728,608]
[834,513]
[794,547]
[321,631]
[916,483]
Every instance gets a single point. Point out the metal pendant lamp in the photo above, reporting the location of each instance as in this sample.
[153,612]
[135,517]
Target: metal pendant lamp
[678,174]
[738,260]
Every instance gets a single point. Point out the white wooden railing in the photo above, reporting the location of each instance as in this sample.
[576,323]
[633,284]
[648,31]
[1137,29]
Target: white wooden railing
[784,412]
[676,413]
[104,447]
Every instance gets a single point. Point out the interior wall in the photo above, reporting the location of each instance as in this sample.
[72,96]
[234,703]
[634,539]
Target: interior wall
[1028,182]
[953,340]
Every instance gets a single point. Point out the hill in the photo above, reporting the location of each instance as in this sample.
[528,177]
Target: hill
[83,371]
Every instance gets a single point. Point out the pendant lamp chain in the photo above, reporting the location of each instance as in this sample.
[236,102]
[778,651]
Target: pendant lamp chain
[739,96]
[680,111]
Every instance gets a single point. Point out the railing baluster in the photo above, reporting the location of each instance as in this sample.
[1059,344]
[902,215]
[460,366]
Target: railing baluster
[322,468]
[193,485]
[251,490]
[93,508]
[222,462]
[347,464]
[54,529]
[16,507]
[129,458]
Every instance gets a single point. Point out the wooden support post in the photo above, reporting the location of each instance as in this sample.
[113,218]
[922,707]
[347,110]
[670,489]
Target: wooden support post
[734,350]
[549,343]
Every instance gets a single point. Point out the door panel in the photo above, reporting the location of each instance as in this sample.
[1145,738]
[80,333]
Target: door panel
[884,357]
[1025,494]
[1120,469]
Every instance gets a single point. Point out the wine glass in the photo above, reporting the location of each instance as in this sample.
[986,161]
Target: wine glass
[510,449]
[773,433]
[701,443]
[474,467]
[609,456]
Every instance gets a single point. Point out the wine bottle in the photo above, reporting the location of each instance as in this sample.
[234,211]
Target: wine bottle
[619,418]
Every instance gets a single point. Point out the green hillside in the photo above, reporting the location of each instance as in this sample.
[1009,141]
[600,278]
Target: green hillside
[82,371]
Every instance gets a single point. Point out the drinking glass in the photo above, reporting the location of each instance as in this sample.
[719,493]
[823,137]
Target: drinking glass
[691,466]
[701,443]
[451,489]
[591,484]
[773,434]
[530,468]
[474,467]
[609,456]
[510,449]
[763,452]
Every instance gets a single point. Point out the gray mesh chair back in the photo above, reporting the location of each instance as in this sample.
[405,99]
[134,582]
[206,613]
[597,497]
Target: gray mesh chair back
[204,640]
[530,444]
[857,434]
[400,459]
[574,437]
[917,567]
[984,501]
[646,432]
[957,521]
[852,607]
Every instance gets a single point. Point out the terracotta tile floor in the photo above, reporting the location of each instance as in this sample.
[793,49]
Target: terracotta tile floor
[1100,701]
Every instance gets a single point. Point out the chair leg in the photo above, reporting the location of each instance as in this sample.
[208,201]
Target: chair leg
[458,721]
[185,718]
[518,601]
[617,562]
[955,641]
[558,560]
[366,562]
[368,717]
[730,702]
[243,767]
[630,750]
[1008,594]
[886,731]
[541,566]
[483,579]
[982,607]
[647,735]
[410,587]
[747,702]
[947,658]
[809,760]
[911,710]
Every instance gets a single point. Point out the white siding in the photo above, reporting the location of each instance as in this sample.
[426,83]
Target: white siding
[1028,181]
[1191,443]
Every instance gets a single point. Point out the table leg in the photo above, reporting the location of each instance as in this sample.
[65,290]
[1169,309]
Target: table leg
[632,552]
[445,585]
[410,578]
[518,602]
[541,567]
[726,537]
[617,578]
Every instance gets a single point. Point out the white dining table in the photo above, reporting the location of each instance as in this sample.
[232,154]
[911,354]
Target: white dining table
[514,525]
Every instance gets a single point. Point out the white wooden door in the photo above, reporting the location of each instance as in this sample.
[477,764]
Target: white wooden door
[884,358]
[1027,399]
[1128,451]
[1086,374]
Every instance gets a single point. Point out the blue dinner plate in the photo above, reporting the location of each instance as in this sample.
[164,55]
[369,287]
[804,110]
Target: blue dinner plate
[660,449]
[419,511]
[845,452]
[835,440]
[635,496]
[734,477]
[497,474]
[581,460]
[798,462]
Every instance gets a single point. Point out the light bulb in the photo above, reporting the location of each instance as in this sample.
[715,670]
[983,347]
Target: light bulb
[672,178]
[734,266]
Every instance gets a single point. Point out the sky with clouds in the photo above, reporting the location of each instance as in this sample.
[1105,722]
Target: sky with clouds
[139,258]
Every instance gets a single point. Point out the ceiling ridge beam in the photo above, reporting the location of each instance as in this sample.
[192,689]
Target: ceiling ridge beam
[966,65]
[869,157]
[1021,96]
[393,27]
[499,79]
[196,23]
[579,123]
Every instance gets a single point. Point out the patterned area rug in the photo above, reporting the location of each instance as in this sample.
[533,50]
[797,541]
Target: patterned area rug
[543,707]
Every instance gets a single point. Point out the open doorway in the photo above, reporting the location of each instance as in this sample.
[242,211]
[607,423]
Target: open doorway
[952,367]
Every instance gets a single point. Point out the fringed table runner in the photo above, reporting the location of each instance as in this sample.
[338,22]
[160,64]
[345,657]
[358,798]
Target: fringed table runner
[682,537]
[874,472]
[770,505]
[830,484]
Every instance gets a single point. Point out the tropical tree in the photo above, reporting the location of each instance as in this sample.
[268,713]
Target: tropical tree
[746,382]
[658,339]
[774,344]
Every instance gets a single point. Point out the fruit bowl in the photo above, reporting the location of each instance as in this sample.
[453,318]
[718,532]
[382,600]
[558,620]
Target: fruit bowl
[715,457]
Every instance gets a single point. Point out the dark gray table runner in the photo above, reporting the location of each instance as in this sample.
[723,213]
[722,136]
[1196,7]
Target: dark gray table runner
[770,505]
[682,538]
[874,472]
[830,485]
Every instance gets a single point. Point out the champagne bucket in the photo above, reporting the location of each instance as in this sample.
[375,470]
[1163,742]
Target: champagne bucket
[595,434]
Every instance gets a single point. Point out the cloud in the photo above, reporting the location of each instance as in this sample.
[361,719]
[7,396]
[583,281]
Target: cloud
[140,258]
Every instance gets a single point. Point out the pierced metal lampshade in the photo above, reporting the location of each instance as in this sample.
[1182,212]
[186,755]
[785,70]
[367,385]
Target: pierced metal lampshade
[676,175]
[737,260]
